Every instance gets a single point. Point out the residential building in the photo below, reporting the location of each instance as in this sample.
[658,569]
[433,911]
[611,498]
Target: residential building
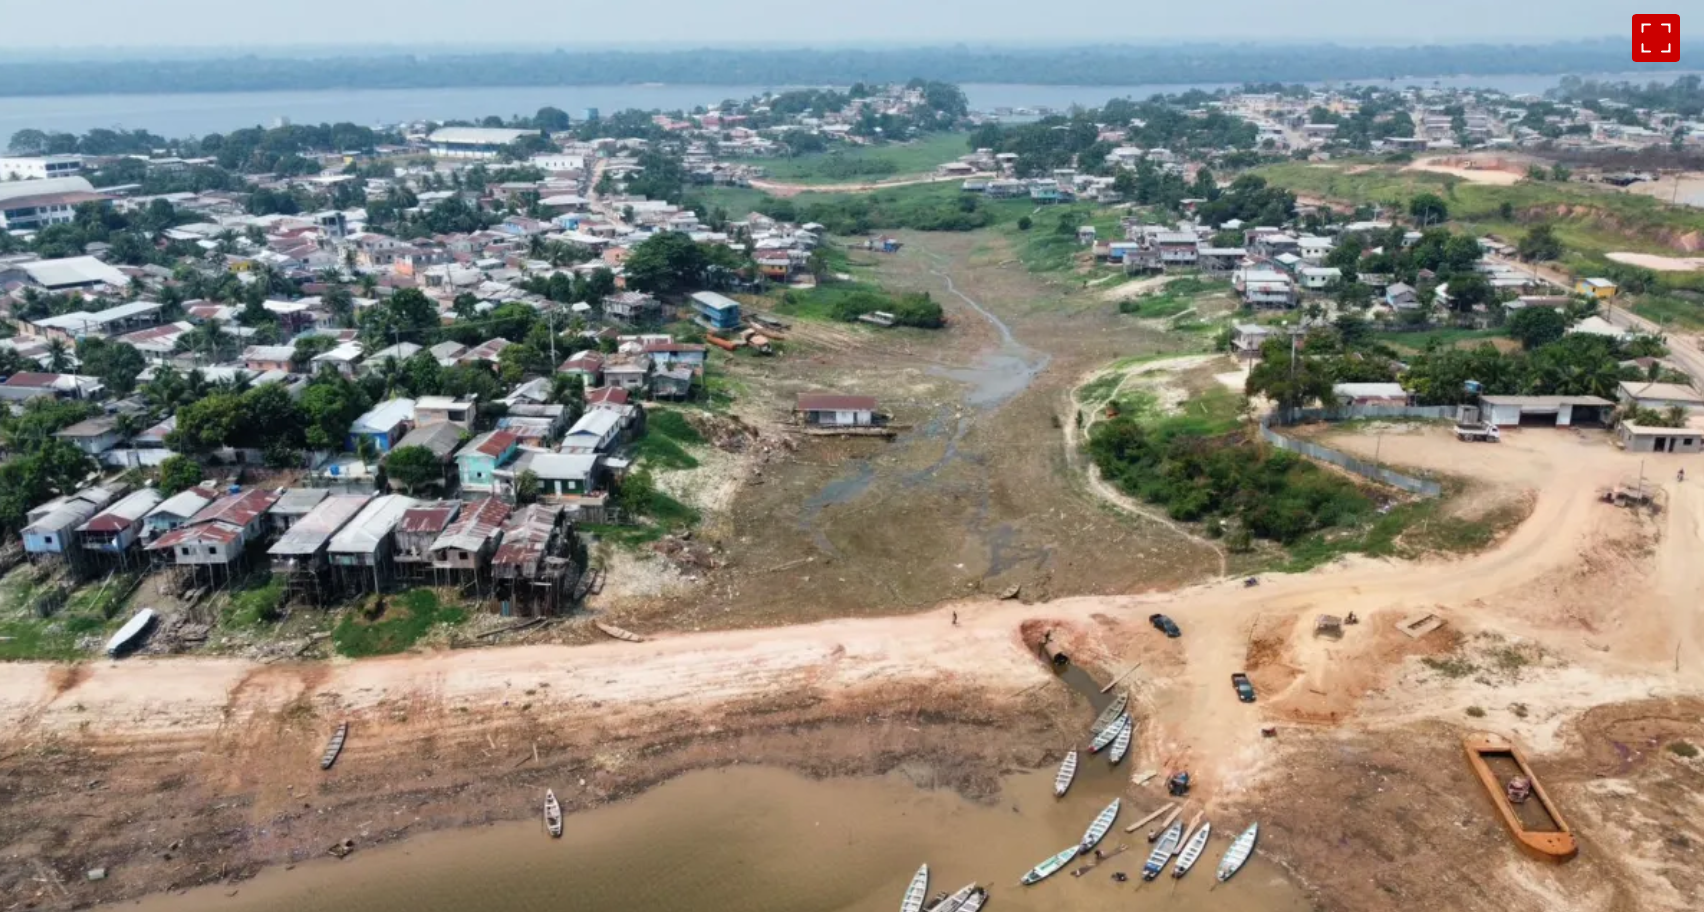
[435,409]
[586,364]
[157,344]
[51,528]
[177,510]
[93,436]
[1636,438]
[677,354]
[343,359]
[834,410]
[1659,396]
[629,372]
[216,536]
[467,543]
[1370,393]
[535,424]
[474,142]
[361,554]
[1401,296]
[1602,289]
[479,460]
[114,531]
[35,204]
[565,476]
[420,526]
[1319,278]
[633,307]
[595,432]
[385,424]
[39,167]
[79,324]
[441,440]
[716,312]
[294,504]
[299,555]
[263,358]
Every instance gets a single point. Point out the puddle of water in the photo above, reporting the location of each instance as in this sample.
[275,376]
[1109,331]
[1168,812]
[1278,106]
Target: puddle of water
[762,840]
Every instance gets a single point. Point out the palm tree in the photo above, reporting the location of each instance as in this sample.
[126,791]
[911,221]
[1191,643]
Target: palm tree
[194,386]
[536,247]
[58,356]
[390,372]
[369,284]
[366,450]
[127,425]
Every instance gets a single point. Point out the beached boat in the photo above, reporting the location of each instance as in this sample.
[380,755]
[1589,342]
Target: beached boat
[954,902]
[1110,714]
[1163,851]
[1121,744]
[914,894]
[1192,850]
[1097,830]
[130,635]
[618,633]
[1154,834]
[974,903]
[1050,867]
[1067,772]
[1237,855]
[334,746]
[552,814]
[1522,803]
[1109,734]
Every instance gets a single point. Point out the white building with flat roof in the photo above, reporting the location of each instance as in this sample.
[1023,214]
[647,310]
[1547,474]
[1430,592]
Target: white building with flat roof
[473,142]
[39,167]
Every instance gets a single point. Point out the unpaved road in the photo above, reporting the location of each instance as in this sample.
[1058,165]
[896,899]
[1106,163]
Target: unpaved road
[784,188]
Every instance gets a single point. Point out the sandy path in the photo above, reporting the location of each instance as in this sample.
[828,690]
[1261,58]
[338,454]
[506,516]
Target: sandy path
[783,188]
[1658,263]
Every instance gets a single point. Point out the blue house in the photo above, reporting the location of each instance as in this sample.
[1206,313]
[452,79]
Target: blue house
[387,423]
[716,311]
[479,461]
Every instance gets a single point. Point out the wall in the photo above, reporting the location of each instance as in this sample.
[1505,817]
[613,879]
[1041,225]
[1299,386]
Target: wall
[1359,466]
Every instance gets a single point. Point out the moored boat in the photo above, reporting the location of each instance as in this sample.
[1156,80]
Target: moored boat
[1097,830]
[1110,714]
[1192,850]
[954,902]
[1237,855]
[552,814]
[1163,851]
[914,894]
[334,747]
[1121,744]
[130,635]
[1050,867]
[1109,735]
[1520,800]
[1067,772]
[974,903]
[618,633]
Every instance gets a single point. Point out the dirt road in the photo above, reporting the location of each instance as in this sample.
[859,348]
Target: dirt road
[783,188]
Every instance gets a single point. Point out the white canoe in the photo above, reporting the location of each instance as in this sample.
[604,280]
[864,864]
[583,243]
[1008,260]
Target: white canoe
[1237,855]
[1121,744]
[915,893]
[956,901]
[1110,714]
[1067,772]
[552,814]
[1097,830]
[132,629]
[1192,850]
[1051,866]
[1163,851]
[978,898]
[1109,735]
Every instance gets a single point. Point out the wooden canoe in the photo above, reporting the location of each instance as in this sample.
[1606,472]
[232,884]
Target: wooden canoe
[1537,824]
[916,891]
[334,747]
[1111,714]
[1067,772]
[552,814]
[618,633]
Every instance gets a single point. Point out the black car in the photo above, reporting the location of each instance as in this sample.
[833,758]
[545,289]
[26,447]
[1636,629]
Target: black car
[1165,625]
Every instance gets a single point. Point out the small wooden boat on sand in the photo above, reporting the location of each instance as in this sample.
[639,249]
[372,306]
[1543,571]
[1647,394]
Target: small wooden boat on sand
[1521,802]
[914,893]
[334,747]
[954,902]
[1192,850]
[1050,867]
[618,633]
[1163,851]
[1237,855]
[1110,714]
[1097,830]
[1121,744]
[1109,734]
[974,903]
[552,814]
[1067,772]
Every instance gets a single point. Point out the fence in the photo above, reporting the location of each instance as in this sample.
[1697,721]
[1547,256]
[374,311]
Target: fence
[1349,412]
[1360,467]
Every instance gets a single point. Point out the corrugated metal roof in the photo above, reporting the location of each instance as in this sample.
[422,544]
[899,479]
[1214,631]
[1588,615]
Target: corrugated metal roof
[432,517]
[217,532]
[185,503]
[237,509]
[527,534]
[322,522]
[363,533]
[121,515]
[475,526]
[298,501]
[384,417]
[830,402]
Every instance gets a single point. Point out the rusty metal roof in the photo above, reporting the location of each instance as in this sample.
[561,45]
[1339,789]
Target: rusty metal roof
[431,517]
[125,513]
[831,402]
[476,525]
[527,535]
[237,509]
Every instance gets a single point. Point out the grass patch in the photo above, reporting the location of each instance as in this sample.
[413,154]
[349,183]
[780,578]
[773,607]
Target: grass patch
[1442,337]
[1155,306]
[1683,749]
[1476,712]
[1666,310]
[260,602]
[658,451]
[405,619]
[860,164]
[1450,666]
[845,302]
[32,640]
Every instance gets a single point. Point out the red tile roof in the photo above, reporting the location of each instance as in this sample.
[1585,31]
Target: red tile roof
[31,379]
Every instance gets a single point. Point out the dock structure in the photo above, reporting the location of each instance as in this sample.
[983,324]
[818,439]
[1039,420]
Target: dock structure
[299,556]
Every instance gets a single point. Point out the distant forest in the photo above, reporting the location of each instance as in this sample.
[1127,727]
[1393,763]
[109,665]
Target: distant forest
[1099,65]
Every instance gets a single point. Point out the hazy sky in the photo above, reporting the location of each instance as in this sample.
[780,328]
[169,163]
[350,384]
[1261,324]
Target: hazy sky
[184,23]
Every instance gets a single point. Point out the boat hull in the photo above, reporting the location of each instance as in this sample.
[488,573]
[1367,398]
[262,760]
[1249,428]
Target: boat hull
[1484,749]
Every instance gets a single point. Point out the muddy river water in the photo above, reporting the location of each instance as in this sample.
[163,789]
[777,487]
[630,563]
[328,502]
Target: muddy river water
[761,840]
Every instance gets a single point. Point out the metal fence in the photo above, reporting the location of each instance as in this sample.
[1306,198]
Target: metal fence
[1360,467]
[1350,412]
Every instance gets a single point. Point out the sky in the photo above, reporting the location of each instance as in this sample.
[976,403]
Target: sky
[800,23]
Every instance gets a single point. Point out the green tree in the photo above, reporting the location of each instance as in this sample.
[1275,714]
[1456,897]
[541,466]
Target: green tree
[664,263]
[206,424]
[527,487]
[636,493]
[1540,244]
[115,363]
[177,473]
[1537,326]
[1428,209]
[330,404]
[1290,384]
[414,467]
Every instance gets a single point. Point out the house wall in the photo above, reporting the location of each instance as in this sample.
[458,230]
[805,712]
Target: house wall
[46,542]
[478,472]
[94,446]
[1503,414]
[206,553]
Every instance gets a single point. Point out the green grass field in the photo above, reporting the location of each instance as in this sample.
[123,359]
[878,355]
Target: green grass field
[1445,337]
[667,434]
[860,164]
[1671,311]
[406,618]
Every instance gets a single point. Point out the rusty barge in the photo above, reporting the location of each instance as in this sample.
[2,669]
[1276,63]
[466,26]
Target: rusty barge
[1522,803]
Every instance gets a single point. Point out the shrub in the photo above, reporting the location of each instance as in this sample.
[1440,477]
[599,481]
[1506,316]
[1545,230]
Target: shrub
[1024,223]
[1476,712]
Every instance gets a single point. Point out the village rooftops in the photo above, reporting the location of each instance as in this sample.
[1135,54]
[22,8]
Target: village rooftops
[440,437]
[378,519]
[607,395]
[73,271]
[298,501]
[1665,392]
[237,509]
[476,525]
[122,515]
[494,444]
[832,402]
[429,517]
[384,417]
[312,531]
[185,503]
[269,354]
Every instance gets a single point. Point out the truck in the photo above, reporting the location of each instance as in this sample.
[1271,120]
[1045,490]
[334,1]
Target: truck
[1245,689]
[1477,432]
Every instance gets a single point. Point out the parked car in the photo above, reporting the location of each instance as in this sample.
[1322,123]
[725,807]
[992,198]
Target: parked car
[1165,625]
[1245,689]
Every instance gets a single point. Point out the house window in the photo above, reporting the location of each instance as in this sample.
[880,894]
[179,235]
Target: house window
[212,550]
[184,551]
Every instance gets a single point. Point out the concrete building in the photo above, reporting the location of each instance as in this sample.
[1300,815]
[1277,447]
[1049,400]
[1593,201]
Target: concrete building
[1659,396]
[39,167]
[831,410]
[1545,411]
[473,142]
[33,204]
[1636,438]
[715,311]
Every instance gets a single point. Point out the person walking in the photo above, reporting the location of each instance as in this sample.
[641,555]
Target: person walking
[955,619]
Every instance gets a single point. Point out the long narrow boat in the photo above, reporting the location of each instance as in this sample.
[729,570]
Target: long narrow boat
[1163,851]
[955,901]
[1097,830]
[618,633]
[914,894]
[1067,772]
[1050,867]
[1121,744]
[334,746]
[1110,714]
[1109,735]
[1536,824]
[1192,850]
[552,814]
[978,898]
[1237,855]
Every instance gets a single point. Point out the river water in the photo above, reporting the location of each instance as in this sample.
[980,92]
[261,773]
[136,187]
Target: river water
[196,114]
[763,840]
